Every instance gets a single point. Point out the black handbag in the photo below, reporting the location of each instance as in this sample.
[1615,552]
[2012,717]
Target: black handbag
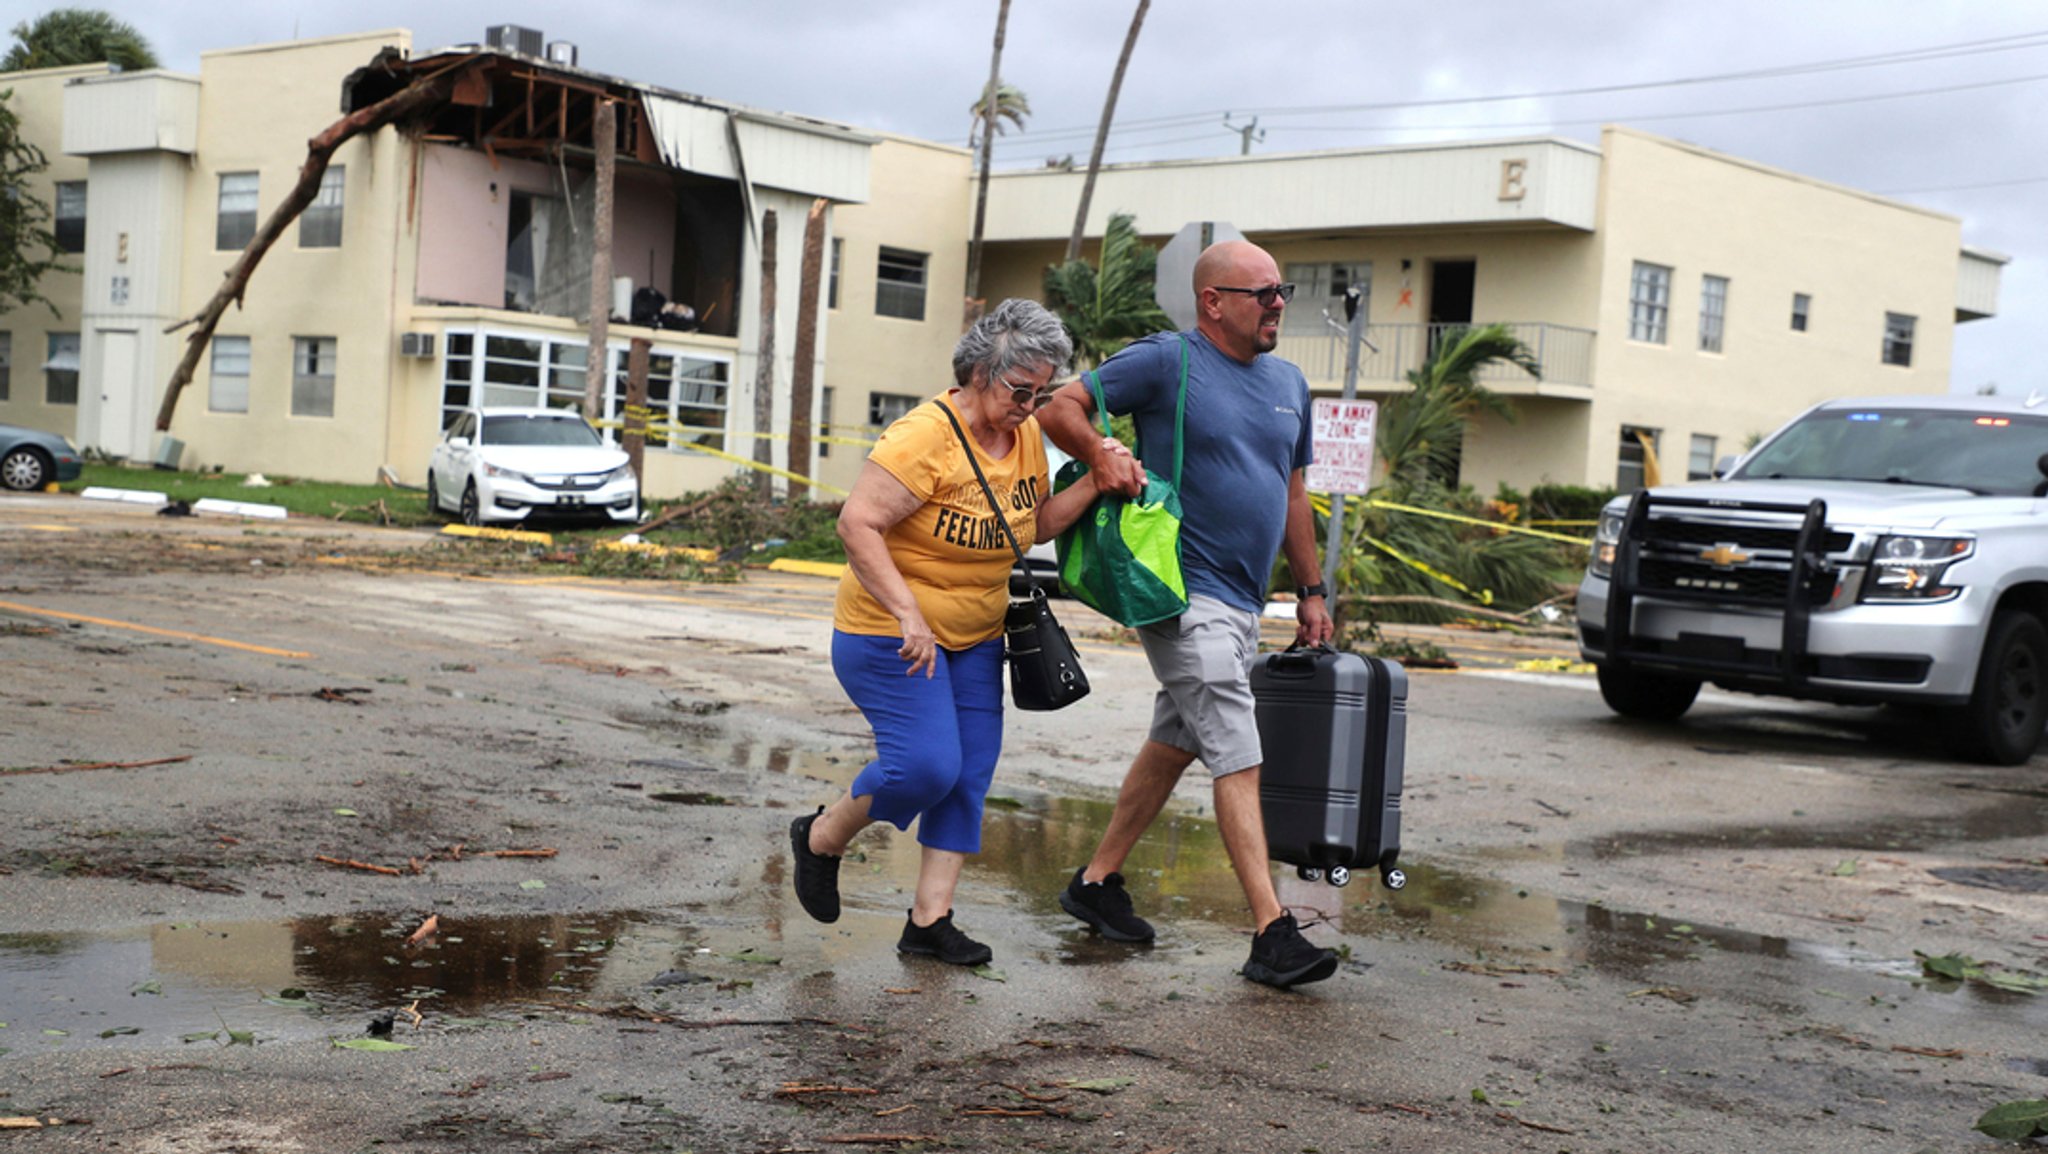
[1045,672]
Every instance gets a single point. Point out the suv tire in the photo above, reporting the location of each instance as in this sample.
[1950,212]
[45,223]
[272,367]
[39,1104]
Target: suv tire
[2008,709]
[1646,696]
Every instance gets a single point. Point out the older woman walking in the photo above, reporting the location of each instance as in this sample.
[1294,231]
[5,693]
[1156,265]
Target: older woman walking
[917,629]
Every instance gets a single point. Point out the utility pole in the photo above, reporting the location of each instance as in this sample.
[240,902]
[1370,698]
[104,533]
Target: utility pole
[597,363]
[1246,134]
[764,373]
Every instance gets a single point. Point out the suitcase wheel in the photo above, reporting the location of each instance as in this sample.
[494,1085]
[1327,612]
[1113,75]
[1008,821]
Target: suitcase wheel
[1393,879]
[1308,873]
[1339,876]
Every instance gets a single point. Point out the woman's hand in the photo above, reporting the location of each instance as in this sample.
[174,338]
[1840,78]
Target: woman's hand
[919,648]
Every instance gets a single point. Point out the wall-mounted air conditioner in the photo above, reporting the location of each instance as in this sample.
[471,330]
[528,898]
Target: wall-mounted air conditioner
[415,344]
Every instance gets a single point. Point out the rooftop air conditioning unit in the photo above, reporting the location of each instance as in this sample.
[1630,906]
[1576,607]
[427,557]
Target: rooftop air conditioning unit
[562,52]
[513,38]
[416,344]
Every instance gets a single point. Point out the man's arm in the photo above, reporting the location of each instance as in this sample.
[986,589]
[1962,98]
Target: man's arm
[1067,420]
[1312,616]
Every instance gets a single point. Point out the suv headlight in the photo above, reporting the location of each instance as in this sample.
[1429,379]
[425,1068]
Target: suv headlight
[622,473]
[1904,567]
[1606,542]
[490,470]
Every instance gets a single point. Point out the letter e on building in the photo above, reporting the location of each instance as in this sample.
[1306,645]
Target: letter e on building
[1511,174]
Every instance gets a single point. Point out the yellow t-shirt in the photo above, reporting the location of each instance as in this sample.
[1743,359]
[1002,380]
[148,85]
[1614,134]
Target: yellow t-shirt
[950,550]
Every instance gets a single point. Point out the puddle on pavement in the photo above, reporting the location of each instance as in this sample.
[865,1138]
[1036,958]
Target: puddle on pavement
[171,981]
[2017,815]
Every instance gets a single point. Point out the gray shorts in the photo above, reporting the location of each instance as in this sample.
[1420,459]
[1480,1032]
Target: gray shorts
[1203,661]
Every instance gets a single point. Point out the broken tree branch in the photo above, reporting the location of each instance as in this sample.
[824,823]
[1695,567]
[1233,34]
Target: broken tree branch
[347,863]
[80,768]
[418,96]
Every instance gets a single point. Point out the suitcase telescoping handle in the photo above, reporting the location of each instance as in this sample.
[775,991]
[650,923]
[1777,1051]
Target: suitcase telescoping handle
[1297,660]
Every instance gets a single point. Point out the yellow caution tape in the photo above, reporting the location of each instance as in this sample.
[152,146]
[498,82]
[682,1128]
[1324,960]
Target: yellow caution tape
[498,534]
[1553,522]
[1553,665]
[722,455]
[812,568]
[659,430]
[1321,503]
[1484,596]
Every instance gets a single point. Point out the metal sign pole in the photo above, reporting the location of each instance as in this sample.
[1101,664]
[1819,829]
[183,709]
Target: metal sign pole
[1354,336]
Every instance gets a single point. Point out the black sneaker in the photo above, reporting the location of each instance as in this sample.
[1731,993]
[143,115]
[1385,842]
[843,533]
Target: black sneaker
[942,940]
[1281,957]
[1106,907]
[817,874]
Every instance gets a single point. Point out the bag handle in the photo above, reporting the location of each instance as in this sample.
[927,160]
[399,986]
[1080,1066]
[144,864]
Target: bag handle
[986,491]
[1180,407]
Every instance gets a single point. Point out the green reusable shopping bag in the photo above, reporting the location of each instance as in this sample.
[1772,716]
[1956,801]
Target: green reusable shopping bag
[1122,557]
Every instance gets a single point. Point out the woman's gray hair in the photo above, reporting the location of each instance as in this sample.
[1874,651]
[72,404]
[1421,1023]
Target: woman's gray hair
[1015,334]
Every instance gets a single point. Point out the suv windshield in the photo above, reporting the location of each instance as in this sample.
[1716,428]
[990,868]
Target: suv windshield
[539,431]
[1957,448]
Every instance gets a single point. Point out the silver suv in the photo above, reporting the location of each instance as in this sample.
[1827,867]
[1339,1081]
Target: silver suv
[1874,550]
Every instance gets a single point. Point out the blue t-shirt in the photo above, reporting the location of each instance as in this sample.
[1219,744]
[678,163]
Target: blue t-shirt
[1247,430]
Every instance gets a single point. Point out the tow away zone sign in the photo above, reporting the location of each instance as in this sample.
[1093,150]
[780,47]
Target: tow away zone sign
[1343,432]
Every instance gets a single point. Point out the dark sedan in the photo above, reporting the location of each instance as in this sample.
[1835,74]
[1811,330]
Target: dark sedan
[31,459]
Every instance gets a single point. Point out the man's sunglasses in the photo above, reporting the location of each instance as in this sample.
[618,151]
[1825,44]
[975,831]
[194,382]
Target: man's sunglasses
[1021,395]
[1266,297]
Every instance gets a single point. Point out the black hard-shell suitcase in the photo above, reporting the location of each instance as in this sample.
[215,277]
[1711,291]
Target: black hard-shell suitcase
[1334,728]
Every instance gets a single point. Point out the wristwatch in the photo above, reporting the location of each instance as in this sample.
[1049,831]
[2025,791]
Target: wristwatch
[1304,592]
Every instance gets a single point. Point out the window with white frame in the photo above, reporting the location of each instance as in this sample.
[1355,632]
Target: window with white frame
[1898,339]
[235,221]
[69,220]
[686,392]
[320,223]
[60,369]
[1322,285]
[884,408]
[227,384]
[1699,466]
[900,284]
[1638,451]
[832,284]
[313,376]
[6,365]
[1802,306]
[1649,302]
[1713,312]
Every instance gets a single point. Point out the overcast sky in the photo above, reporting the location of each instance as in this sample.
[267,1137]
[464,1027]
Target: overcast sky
[1954,127]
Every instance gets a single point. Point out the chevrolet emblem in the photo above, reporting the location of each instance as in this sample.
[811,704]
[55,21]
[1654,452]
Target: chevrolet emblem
[1724,556]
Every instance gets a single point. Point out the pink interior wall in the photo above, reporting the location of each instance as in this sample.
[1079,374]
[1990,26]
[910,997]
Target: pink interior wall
[464,206]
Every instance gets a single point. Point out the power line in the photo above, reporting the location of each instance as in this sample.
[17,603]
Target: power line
[1906,56]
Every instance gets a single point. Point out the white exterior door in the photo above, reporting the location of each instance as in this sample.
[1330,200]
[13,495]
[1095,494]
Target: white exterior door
[116,386]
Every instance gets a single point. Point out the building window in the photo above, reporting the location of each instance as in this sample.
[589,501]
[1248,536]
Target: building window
[1898,340]
[60,370]
[899,284]
[1802,305]
[70,222]
[235,225]
[1700,465]
[227,386]
[6,365]
[320,223]
[312,376]
[686,393]
[832,281]
[1713,312]
[824,425]
[1649,302]
[1322,286]
[1638,462]
[884,408]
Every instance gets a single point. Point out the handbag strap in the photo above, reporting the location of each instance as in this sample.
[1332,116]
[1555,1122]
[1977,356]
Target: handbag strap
[1180,407]
[993,505]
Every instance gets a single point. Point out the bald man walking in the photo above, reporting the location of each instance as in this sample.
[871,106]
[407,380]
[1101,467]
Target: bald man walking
[1242,500]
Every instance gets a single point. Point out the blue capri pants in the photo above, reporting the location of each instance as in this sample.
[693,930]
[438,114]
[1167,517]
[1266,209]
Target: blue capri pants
[936,738]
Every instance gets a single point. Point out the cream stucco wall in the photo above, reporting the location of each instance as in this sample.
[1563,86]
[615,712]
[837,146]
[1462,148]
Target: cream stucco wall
[1773,234]
[38,103]
[258,106]
[921,200]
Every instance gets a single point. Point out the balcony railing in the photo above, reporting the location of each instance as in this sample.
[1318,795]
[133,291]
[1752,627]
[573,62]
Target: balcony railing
[1564,353]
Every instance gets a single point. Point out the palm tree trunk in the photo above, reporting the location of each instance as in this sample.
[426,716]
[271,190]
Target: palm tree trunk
[810,276]
[1116,84]
[988,135]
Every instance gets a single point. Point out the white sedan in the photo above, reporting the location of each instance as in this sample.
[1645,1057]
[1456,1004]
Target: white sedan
[509,464]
